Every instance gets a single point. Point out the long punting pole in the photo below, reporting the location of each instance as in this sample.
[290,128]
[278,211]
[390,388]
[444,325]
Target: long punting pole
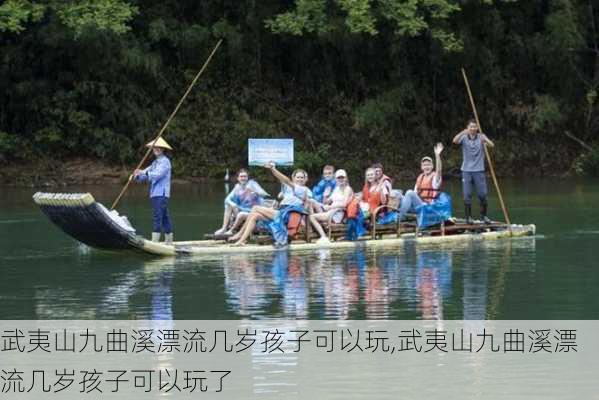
[503,207]
[168,121]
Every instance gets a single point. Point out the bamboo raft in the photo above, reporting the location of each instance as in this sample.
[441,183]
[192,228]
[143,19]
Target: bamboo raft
[89,222]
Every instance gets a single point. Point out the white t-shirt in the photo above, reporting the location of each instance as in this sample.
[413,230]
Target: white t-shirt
[340,197]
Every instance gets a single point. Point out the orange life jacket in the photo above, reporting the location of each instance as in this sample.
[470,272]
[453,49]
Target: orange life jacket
[294,223]
[352,208]
[372,198]
[424,187]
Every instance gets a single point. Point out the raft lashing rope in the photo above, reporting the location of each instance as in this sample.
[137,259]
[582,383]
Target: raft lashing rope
[80,216]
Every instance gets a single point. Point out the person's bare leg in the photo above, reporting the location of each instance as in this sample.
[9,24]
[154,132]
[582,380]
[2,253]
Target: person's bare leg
[316,225]
[315,207]
[249,226]
[265,212]
[315,219]
[239,220]
[226,219]
[257,213]
[236,236]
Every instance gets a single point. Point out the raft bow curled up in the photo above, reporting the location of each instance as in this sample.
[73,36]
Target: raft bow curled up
[81,217]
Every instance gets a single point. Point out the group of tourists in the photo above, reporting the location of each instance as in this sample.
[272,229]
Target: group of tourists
[331,200]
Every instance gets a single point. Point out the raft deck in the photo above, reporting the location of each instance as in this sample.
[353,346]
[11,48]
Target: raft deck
[89,222]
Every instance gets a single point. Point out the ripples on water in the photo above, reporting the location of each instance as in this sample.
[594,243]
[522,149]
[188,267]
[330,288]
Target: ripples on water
[45,274]
[402,282]
[408,281]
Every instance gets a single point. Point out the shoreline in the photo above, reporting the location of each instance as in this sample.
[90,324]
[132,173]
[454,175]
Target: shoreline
[80,171]
[85,171]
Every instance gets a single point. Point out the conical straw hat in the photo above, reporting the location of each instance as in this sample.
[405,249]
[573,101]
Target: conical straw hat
[160,143]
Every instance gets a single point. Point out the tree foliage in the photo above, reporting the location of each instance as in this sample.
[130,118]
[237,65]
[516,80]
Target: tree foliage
[353,81]
[110,15]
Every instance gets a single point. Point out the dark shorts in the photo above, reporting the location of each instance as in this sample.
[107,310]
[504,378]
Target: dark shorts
[474,182]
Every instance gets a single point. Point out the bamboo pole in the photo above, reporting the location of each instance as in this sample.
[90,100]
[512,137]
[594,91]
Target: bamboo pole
[488,155]
[168,121]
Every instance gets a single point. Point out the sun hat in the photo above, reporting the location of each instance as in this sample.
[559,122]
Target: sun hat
[340,173]
[160,143]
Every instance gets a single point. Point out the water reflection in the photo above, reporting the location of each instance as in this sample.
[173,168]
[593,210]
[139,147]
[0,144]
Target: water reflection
[411,281]
[433,282]
[161,293]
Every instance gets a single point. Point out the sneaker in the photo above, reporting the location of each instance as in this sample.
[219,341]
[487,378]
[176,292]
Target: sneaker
[323,240]
[219,232]
[228,233]
[486,220]
[469,221]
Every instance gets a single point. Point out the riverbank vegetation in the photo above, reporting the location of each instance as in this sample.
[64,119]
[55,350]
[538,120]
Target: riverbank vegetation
[353,81]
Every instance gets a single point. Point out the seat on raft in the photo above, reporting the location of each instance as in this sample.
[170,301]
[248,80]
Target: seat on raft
[336,231]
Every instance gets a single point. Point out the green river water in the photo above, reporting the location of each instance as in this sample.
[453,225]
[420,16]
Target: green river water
[47,275]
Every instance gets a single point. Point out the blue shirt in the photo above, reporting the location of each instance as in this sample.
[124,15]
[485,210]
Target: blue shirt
[159,176]
[321,188]
[473,153]
[295,196]
[247,196]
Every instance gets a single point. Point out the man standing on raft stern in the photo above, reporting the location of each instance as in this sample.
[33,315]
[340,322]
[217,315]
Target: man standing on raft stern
[159,176]
[473,168]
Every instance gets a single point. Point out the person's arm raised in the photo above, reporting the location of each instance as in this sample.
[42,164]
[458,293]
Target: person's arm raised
[458,138]
[279,175]
[438,164]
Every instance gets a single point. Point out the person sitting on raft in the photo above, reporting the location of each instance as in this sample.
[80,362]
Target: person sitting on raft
[374,193]
[159,176]
[362,204]
[427,184]
[383,180]
[325,186]
[246,194]
[296,197]
[335,207]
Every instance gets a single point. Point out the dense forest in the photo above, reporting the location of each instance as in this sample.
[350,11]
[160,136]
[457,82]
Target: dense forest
[352,81]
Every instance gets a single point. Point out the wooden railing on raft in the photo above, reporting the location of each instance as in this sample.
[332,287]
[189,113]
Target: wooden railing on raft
[398,223]
[374,215]
[337,231]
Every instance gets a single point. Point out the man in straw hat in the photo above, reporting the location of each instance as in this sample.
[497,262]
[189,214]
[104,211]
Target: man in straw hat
[159,176]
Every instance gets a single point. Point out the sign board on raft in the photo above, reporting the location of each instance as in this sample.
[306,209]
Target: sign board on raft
[262,151]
